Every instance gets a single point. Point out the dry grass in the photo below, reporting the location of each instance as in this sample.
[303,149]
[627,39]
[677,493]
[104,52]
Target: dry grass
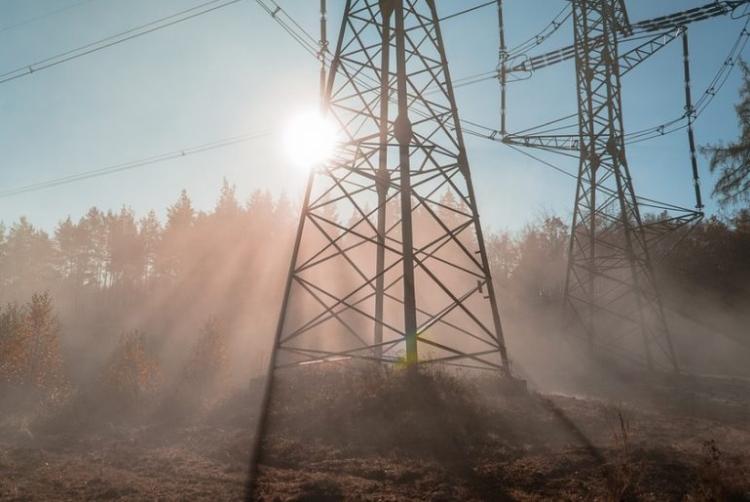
[360,433]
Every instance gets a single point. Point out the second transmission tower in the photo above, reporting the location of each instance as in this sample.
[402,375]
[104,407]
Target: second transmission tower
[610,279]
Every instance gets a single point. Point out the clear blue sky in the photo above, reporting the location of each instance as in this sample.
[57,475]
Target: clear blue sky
[234,71]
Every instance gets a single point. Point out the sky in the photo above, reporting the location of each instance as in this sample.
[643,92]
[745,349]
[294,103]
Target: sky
[235,71]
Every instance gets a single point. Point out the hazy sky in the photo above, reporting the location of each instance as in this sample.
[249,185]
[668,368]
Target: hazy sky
[234,71]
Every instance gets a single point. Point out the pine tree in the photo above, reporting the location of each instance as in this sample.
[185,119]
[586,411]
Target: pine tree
[42,333]
[150,234]
[181,214]
[30,358]
[29,263]
[227,206]
[125,249]
[176,239]
[65,238]
[133,371]
[13,352]
[732,161]
[3,258]
[94,227]
[260,208]
[284,214]
[208,364]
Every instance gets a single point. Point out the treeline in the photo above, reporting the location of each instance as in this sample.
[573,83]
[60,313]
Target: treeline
[112,274]
[117,251]
[122,255]
[30,358]
[709,258]
[35,375]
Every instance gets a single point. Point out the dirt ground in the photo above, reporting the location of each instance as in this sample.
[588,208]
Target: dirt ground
[436,439]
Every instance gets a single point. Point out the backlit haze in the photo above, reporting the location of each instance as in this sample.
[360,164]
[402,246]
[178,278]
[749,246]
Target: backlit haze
[234,71]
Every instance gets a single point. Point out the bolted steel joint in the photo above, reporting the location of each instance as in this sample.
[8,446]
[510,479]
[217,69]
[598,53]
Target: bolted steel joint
[463,162]
[386,7]
[382,181]
[594,161]
[613,148]
[402,129]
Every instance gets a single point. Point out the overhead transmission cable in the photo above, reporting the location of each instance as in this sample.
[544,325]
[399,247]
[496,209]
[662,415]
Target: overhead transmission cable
[125,166]
[542,161]
[310,45]
[517,51]
[270,6]
[290,26]
[673,125]
[43,16]
[490,133]
[275,10]
[713,88]
[118,38]
[547,31]
[563,15]
[466,11]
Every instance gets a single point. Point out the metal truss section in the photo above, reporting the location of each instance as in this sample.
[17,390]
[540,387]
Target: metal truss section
[651,46]
[389,262]
[666,24]
[682,18]
[620,19]
[628,60]
[553,142]
[610,283]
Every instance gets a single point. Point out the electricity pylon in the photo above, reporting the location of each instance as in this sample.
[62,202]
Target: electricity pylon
[389,262]
[610,282]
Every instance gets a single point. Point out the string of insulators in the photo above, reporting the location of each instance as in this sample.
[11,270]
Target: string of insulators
[322,51]
[686,16]
[690,114]
[502,58]
[670,21]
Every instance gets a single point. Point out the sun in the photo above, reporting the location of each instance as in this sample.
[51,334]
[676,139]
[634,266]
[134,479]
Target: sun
[309,139]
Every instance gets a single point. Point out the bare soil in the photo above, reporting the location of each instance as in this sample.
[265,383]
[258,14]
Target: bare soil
[385,438]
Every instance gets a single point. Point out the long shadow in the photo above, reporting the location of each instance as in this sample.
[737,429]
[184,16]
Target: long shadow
[451,451]
[572,429]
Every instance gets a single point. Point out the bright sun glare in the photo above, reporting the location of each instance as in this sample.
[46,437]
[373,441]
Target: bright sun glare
[309,139]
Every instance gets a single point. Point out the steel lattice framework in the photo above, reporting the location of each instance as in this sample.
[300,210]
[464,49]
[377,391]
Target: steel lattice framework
[389,262]
[610,280]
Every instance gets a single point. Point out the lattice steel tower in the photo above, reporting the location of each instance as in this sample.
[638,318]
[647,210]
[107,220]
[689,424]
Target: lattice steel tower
[610,281]
[389,262]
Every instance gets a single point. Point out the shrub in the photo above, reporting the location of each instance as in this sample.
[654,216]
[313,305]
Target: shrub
[30,359]
[133,372]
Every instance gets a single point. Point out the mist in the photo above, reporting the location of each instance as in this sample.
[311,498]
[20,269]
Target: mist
[158,333]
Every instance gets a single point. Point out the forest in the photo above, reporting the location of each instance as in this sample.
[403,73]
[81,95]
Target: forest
[107,287]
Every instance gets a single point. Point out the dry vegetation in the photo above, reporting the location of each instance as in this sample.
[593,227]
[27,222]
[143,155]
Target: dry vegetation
[129,379]
[434,436]
[362,433]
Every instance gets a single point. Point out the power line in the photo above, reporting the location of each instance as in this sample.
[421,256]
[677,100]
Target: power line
[548,164]
[311,46]
[125,166]
[466,11]
[42,16]
[300,35]
[713,88]
[517,51]
[676,124]
[544,34]
[294,30]
[118,38]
